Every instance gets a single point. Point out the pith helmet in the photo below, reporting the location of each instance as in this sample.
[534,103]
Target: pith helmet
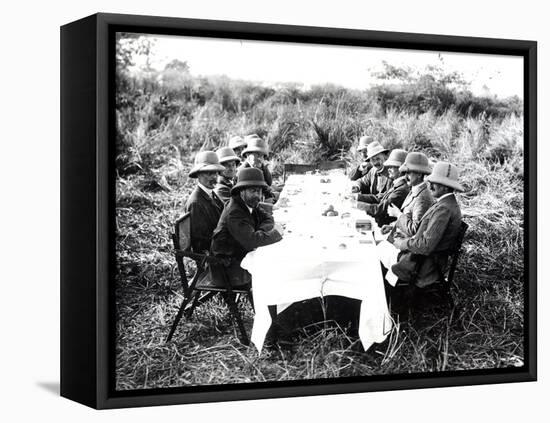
[237,142]
[249,177]
[397,158]
[254,144]
[364,141]
[226,154]
[205,161]
[375,148]
[445,173]
[416,162]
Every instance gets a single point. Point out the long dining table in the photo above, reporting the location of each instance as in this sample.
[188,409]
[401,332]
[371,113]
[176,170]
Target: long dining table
[320,254]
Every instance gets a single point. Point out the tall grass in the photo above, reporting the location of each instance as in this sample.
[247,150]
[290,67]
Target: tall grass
[160,125]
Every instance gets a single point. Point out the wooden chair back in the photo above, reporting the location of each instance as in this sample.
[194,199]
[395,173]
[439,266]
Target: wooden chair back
[181,238]
[446,280]
[182,233]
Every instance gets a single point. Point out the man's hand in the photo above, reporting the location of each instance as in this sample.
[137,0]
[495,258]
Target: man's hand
[394,211]
[363,166]
[386,229]
[400,243]
[354,189]
[279,228]
[362,206]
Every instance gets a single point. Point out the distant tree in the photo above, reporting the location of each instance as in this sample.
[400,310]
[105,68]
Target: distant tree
[419,90]
[177,65]
[435,73]
[129,47]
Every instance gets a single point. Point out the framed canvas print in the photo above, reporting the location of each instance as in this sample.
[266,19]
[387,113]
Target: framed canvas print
[256,211]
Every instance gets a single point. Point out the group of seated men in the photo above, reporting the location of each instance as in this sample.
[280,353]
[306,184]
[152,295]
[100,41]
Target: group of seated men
[411,202]
[414,204]
[226,219]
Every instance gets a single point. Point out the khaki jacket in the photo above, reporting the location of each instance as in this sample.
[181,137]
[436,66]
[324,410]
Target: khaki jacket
[415,205]
[437,233]
[395,195]
[357,173]
[374,182]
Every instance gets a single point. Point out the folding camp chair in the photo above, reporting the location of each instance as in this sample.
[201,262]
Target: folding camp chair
[199,290]
[412,294]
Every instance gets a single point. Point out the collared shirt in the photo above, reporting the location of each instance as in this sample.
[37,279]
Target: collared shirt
[445,195]
[250,209]
[379,171]
[207,190]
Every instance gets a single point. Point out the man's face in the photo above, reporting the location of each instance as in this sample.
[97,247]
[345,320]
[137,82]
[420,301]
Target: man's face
[393,172]
[208,179]
[438,190]
[230,169]
[378,160]
[251,196]
[238,151]
[255,159]
[364,154]
[414,178]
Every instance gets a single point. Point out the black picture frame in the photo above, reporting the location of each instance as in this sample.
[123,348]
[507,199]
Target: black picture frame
[87,204]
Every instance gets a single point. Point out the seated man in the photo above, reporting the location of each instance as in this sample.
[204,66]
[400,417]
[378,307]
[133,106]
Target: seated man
[229,160]
[377,207]
[362,168]
[437,233]
[203,203]
[255,155]
[418,200]
[376,181]
[237,144]
[243,226]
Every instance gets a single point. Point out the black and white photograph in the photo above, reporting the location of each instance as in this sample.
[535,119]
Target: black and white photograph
[293,211]
[275,211]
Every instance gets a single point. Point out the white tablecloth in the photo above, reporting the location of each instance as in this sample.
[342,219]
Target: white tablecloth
[318,256]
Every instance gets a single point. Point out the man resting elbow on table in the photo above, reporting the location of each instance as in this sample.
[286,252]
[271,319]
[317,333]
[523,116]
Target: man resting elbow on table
[244,226]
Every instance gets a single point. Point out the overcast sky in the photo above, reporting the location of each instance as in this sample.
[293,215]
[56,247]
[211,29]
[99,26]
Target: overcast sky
[309,64]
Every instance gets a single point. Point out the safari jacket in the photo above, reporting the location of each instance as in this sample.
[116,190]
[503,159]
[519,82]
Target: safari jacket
[205,213]
[395,195]
[415,205]
[437,233]
[356,173]
[374,182]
